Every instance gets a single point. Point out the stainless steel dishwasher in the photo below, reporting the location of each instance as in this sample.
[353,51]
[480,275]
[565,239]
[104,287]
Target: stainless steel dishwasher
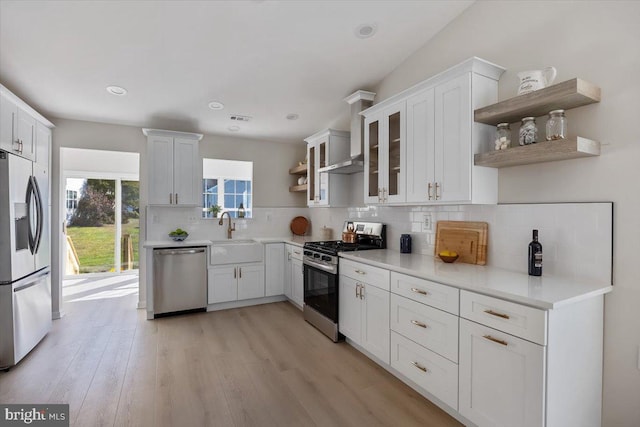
[179,279]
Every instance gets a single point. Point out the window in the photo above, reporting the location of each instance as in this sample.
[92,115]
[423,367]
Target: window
[72,199]
[227,184]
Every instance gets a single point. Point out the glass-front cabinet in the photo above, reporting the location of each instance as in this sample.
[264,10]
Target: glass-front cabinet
[325,189]
[385,160]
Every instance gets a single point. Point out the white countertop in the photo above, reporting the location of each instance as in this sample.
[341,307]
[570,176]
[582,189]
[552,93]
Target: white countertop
[294,240]
[546,292]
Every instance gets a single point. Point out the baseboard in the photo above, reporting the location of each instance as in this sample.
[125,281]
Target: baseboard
[245,303]
[55,315]
[142,304]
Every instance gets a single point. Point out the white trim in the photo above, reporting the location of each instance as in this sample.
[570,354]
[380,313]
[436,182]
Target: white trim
[26,107]
[172,134]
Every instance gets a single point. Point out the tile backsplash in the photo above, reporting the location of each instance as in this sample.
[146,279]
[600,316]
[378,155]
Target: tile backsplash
[576,237]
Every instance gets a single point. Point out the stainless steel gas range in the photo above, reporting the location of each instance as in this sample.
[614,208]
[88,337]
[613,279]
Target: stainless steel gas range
[320,263]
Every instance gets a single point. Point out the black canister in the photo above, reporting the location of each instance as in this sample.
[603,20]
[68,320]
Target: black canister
[405,243]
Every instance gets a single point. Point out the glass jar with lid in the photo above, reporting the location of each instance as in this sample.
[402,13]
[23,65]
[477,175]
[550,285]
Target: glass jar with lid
[528,131]
[503,137]
[556,125]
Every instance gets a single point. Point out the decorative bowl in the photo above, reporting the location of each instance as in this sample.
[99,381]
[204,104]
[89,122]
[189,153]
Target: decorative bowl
[448,258]
[178,237]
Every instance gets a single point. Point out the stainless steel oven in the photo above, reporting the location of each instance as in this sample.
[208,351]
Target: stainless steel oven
[321,292]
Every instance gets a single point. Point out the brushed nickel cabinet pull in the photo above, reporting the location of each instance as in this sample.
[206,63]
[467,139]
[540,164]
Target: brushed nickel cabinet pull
[494,313]
[419,366]
[357,290]
[176,198]
[422,325]
[361,272]
[361,291]
[419,291]
[429,186]
[499,341]
[170,198]
[234,273]
[240,272]
[438,196]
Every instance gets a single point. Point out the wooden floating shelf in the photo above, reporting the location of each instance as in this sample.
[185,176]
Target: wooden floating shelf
[547,151]
[296,188]
[298,170]
[570,94]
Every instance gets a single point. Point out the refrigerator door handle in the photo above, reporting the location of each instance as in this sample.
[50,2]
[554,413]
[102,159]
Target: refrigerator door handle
[31,236]
[40,214]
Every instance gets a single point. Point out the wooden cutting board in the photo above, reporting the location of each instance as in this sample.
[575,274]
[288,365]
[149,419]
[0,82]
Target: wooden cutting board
[467,238]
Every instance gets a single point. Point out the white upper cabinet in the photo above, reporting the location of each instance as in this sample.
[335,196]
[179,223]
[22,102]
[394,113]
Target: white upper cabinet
[18,126]
[385,155]
[175,172]
[419,144]
[324,148]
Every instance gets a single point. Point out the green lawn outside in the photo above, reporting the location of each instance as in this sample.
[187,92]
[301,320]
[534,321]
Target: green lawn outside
[95,245]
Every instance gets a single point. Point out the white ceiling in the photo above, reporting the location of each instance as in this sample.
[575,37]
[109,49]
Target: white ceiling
[263,59]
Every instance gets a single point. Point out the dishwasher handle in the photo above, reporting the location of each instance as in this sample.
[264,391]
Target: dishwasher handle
[186,251]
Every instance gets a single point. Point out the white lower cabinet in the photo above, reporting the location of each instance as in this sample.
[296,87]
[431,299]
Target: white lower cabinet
[295,272]
[274,266]
[427,369]
[364,316]
[502,378]
[235,282]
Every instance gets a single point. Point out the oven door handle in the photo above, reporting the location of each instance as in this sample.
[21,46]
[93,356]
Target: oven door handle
[328,269]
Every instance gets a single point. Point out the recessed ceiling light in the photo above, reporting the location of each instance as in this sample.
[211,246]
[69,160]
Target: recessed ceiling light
[293,116]
[364,31]
[215,105]
[116,90]
[234,128]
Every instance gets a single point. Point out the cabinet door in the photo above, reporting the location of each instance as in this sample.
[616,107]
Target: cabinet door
[350,308]
[311,174]
[420,147]
[394,155]
[8,118]
[322,153]
[297,282]
[222,284]
[287,271]
[186,182]
[160,153]
[501,378]
[372,178]
[375,321]
[274,269]
[26,128]
[453,140]
[43,145]
[250,281]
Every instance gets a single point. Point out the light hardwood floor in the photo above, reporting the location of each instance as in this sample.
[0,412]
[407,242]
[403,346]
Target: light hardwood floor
[254,366]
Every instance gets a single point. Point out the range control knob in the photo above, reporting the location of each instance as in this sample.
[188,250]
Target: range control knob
[308,253]
[326,258]
[316,255]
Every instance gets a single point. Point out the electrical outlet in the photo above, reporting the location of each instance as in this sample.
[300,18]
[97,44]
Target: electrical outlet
[427,223]
[267,216]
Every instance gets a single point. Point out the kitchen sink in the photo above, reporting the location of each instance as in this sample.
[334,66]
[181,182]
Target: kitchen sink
[236,251]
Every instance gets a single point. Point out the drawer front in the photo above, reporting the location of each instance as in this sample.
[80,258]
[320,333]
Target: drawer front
[296,251]
[515,319]
[375,276]
[434,294]
[427,326]
[430,371]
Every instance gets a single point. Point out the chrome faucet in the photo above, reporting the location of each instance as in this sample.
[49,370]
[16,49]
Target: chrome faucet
[230,228]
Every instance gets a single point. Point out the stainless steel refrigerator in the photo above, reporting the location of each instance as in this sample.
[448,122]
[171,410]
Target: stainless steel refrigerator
[25,283]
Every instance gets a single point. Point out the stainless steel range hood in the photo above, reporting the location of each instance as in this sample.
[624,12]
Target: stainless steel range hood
[359,101]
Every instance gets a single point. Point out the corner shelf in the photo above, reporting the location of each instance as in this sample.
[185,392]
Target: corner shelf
[565,95]
[298,170]
[547,151]
[296,188]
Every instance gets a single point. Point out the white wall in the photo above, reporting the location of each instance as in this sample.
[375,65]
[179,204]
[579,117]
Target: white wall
[598,41]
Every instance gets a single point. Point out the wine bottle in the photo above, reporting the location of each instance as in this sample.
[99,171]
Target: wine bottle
[535,256]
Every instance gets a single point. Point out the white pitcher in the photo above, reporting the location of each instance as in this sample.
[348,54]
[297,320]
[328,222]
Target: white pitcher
[536,79]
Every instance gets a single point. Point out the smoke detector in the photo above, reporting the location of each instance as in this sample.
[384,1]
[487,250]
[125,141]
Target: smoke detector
[116,90]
